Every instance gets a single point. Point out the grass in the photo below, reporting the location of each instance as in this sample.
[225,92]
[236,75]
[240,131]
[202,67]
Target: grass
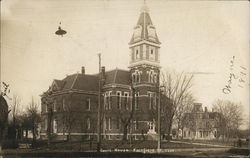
[111,145]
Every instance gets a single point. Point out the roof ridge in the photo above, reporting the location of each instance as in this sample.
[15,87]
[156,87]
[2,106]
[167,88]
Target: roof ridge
[117,69]
[74,81]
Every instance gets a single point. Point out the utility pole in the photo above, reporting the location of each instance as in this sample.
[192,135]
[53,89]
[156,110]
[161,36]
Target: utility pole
[159,121]
[99,108]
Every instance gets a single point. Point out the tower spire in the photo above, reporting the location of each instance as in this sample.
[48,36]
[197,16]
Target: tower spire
[144,8]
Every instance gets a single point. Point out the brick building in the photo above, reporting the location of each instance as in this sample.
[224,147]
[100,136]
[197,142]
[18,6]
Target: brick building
[201,124]
[129,98]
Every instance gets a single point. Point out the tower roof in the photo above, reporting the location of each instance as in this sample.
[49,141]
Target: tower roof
[144,29]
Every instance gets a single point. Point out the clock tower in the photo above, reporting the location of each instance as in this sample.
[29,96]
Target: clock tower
[144,53]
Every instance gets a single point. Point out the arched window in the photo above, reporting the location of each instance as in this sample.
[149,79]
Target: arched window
[118,94]
[138,76]
[152,77]
[149,76]
[155,78]
[133,78]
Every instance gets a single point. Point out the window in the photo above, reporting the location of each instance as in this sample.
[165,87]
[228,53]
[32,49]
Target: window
[133,77]
[110,123]
[150,125]
[137,54]
[54,126]
[118,94]
[110,99]
[152,53]
[88,123]
[136,76]
[136,123]
[154,100]
[155,78]
[152,76]
[54,106]
[150,100]
[105,101]
[107,123]
[104,123]
[126,97]
[88,104]
[136,100]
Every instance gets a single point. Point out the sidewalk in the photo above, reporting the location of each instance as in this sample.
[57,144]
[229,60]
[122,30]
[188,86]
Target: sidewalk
[205,144]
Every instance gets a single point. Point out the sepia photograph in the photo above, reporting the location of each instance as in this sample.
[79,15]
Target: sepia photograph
[124,78]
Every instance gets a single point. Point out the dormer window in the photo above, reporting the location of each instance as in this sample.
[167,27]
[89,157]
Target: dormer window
[151,32]
[137,32]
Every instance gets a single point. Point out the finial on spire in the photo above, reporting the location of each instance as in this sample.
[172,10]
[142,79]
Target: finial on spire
[144,7]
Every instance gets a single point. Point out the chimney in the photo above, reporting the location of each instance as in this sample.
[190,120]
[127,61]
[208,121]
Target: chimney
[103,72]
[83,70]
[205,109]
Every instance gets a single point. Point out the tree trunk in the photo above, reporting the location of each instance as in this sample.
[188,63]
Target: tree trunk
[34,137]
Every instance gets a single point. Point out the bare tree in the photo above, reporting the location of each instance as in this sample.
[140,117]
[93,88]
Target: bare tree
[177,89]
[69,116]
[231,117]
[14,129]
[34,118]
[49,105]
[3,119]
[184,107]
[16,100]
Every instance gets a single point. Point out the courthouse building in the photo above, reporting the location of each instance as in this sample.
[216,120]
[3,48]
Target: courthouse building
[129,98]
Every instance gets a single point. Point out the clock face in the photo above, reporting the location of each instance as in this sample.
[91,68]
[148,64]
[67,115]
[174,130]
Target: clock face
[137,32]
[151,31]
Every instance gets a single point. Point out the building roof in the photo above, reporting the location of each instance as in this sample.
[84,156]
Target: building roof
[117,76]
[145,22]
[77,81]
[87,82]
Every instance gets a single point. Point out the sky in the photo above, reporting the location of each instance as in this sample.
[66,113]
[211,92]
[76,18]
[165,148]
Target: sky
[197,37]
